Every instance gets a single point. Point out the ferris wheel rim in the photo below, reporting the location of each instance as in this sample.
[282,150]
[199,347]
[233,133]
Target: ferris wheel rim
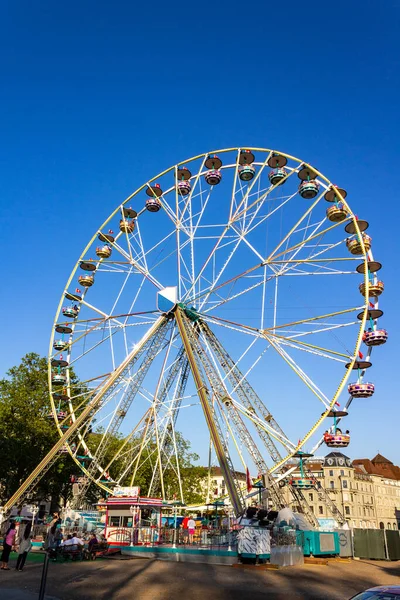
[203,156]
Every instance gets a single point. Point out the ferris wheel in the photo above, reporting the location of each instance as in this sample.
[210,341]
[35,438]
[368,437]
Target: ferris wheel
[232,297]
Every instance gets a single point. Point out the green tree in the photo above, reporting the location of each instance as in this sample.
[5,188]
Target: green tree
[191,475]
[26,433]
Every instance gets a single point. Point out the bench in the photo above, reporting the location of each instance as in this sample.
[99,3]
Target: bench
[71,551]
[99,549]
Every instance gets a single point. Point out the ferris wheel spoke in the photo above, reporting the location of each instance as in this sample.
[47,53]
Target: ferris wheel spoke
[142,255]
[274,255]
[286,238]
[196,181]
[248,329]
[300,372]
[88,350]
[314,230]
[241,237]
[218,243]
[143,270]
[313,319]
[299,345]
[235,214]
[289,337]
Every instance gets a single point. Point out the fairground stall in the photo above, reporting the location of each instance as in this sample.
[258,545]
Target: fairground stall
[133,520]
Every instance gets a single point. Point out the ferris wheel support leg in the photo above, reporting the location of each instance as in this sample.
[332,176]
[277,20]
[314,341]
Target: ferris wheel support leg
[36,473]
[233,494]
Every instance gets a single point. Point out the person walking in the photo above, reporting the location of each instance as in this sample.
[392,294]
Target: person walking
[8,545]
[25,546]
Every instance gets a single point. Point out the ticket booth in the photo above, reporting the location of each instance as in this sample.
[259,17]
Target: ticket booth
[132,519]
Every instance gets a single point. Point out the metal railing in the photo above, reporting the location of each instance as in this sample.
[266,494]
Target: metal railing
[157,536]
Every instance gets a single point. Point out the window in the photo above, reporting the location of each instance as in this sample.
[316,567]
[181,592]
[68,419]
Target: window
[342,472]
[389,526]
[345,485]
[321,510]
[312,510]
[332,485]
[113,521]
[347,510]
[126,522]
[331,473]
[311,497]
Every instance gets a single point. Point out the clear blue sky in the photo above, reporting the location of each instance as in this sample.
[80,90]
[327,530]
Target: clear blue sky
[97,97]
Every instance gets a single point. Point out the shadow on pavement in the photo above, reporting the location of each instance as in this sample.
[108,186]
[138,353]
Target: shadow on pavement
[143,579]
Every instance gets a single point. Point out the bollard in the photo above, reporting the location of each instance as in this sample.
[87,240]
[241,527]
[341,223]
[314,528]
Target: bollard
[44,577]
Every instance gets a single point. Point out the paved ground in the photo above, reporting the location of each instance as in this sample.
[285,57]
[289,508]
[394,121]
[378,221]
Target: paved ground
[143,579]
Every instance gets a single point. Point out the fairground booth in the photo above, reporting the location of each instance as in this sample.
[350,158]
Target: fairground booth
[132,519]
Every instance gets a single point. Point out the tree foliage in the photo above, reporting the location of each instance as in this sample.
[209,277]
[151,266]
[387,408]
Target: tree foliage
[27,434]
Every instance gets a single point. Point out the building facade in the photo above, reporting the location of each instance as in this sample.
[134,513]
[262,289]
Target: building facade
[367,492]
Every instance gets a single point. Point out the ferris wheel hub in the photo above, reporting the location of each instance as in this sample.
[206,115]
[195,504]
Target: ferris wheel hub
[167,299]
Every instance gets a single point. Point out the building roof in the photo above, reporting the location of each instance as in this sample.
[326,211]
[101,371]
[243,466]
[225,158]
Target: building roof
[380,466]
[379,459]
[336,455]
[337,459]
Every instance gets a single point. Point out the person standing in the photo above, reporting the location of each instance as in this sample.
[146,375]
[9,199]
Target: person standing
[8,545]
[58,537]
[191,527]
[25,546]
[185,529]
[50,542]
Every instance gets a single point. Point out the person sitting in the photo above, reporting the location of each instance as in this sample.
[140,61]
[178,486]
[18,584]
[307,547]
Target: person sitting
[72,546]
[68,541]
[73,540]
[93,543]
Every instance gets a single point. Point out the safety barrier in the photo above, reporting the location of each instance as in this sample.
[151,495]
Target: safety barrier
[156,536]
